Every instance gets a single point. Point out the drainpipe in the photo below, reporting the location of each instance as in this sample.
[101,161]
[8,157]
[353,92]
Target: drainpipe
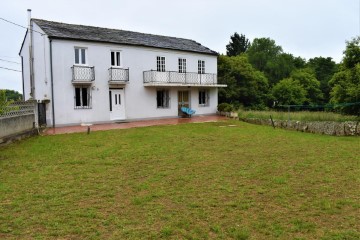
[22,75]
[52,86]
[31,56]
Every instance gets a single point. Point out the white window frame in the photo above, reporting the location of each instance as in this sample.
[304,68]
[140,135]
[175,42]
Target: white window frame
[182,65]
[165,100]
[204,101]
[160,64]
[117,65]
[81,57]
[82,106]
[201,67]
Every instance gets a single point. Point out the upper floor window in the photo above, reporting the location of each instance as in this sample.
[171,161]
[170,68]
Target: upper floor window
[80,56]
[201,66]
[160,64]
[182,65]
[115,59]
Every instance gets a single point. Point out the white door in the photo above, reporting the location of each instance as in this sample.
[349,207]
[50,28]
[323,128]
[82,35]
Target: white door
[117,104]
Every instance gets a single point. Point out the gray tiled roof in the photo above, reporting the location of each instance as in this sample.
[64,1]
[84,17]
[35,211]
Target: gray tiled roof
[97,34]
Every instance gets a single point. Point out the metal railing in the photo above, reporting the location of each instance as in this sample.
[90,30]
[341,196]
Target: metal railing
[118,75]
[173,77]
[83,74]
[16,109]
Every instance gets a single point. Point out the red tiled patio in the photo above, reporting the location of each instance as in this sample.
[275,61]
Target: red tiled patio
[134,124]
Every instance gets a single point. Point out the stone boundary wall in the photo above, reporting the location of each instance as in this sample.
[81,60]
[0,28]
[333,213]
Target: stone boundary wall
[13,128]
[350,128]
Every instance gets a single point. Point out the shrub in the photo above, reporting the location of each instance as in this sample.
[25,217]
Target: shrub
[225,107]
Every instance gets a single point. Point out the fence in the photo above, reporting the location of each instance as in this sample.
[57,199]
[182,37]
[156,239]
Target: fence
[17,118]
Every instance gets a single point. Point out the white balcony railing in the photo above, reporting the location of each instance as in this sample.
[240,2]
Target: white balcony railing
[172,77]
[83,74]
[118,75]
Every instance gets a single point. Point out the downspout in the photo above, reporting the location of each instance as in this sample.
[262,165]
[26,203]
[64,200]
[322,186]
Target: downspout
[52,86]
[22,75]
[31,56]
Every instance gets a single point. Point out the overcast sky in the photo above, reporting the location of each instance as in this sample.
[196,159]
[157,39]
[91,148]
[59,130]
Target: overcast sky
[305,28]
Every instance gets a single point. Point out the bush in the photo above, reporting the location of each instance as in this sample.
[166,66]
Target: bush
[225,107]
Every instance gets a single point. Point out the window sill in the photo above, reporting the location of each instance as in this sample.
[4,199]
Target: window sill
[76,108]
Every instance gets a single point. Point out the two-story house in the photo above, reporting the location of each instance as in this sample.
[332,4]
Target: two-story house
[88,74]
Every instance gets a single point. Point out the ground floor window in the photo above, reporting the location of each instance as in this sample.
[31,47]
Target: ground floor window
[204,98]
[162,98]
[82,97]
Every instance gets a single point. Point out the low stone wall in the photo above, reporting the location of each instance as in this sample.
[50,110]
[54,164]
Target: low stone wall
[327,128]
[12,128]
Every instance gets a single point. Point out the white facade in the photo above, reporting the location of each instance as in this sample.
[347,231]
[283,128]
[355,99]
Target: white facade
[129,100]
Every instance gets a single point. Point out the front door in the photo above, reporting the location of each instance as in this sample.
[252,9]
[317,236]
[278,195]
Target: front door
[117,104]
[183,101]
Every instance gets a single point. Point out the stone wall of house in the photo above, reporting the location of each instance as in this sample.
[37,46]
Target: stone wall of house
[350,128]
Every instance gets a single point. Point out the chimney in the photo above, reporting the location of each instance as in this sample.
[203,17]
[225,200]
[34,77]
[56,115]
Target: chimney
[29,17]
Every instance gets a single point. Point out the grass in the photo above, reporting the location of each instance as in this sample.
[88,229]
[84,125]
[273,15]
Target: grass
[190,181]
[299,116]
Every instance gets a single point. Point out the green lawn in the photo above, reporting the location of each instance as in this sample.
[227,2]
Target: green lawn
[190,181]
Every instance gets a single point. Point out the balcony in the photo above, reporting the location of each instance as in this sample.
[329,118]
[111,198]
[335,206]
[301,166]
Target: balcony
[83,74]
[172,78]
[118,75]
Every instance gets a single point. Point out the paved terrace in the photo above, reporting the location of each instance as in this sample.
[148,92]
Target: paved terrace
[134,124]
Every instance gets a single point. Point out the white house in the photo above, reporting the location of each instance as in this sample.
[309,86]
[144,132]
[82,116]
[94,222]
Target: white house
[88,74]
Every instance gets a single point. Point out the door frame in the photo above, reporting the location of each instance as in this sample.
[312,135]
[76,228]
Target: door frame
[180,113]
[111,104]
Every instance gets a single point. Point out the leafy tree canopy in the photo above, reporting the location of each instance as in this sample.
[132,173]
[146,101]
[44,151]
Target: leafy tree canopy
[11,94]
[352,53]
[238,44]
[324,69]
[246,85]
[261,51]
[345,84]
[307,79]
[289,92]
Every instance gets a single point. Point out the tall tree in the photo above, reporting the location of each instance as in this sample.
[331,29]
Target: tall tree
[261,51]
[246,85]
[289,92]
[307,79]
[324,69]
[345,84]
[238,44]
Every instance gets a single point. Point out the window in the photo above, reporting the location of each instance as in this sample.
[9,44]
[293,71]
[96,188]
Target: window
[182,65]
[80,56]
[162,98]
[201,67]
[115,59]
[160,64]
[82,97]
[204,98]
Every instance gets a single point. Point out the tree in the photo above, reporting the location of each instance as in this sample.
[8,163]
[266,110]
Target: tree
[289,92]
[324,69]
[352,53]
[307,79]
[12,95]
[246,85]
[280,67]
[238,44]
[261,51]
[4,103]
[345,84]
